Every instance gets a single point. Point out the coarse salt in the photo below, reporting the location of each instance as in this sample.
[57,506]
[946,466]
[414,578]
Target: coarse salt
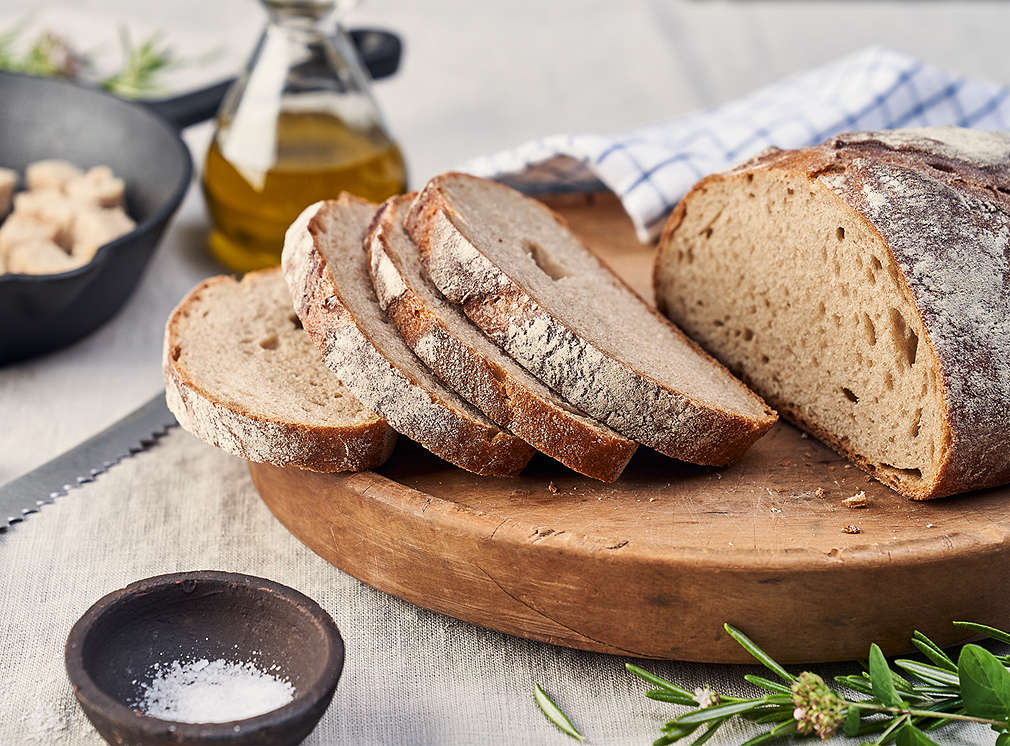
[218,691]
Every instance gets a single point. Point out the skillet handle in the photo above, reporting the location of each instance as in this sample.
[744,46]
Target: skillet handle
[379,50]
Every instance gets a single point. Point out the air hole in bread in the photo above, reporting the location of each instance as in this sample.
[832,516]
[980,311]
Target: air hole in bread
[295,321]
[176,352]
[870,330]
[840,233]
[889,382]
[942,167]
[547,264]
[916,423]
[270,343]
[906,341]
[748,335]
[850,395]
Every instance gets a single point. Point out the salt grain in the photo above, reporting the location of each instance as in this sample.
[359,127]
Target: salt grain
[218,691]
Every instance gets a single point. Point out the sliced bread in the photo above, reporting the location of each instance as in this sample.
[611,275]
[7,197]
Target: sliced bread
[863,287]
[471,364]
[537,291]
[241,374]
[326,267]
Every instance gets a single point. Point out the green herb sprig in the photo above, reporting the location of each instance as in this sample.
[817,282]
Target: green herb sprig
[49,54]
[892,707]
[900,708]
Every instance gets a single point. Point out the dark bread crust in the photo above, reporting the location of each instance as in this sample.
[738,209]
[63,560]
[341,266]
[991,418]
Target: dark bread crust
[407,404]
[654,415]
[942,207]
[588,448]
[253,436]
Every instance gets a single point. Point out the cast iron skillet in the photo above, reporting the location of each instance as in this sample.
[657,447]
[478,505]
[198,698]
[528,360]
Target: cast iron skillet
[47,118]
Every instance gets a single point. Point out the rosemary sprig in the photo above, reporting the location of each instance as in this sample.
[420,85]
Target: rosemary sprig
[50,54]
[893,708]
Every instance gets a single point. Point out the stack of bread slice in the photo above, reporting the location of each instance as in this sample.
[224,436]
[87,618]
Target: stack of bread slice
[468,318]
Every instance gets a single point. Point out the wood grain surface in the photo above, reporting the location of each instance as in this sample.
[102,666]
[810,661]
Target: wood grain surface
[652,565]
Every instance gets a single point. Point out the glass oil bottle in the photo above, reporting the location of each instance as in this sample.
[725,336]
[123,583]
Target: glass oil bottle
[300,125]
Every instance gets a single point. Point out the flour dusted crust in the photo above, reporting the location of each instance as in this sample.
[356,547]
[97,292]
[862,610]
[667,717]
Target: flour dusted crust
[604,386]
[469,363]
[409,398]
[234,424]
[939,200]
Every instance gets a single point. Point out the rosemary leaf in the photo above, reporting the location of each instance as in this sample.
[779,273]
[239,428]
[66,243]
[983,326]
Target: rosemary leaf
[766,660]
[657,680]
[932,651]
[665,695]
[926,672]
[764,683]
[991,632]
[554,713]
[707,714]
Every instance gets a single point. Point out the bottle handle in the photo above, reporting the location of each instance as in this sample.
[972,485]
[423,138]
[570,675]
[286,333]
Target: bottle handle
[380,52]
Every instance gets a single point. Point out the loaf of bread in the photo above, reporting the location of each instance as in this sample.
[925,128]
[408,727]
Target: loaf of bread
[326,268]
[241,374]
[863,288]
[516,270]
[473,366]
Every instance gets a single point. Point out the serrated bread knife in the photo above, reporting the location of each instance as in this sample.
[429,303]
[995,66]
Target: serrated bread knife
[81,464]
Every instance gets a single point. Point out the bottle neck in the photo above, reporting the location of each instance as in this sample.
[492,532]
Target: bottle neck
[313,16]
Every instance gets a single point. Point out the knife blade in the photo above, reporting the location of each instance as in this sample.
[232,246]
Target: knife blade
[134,433]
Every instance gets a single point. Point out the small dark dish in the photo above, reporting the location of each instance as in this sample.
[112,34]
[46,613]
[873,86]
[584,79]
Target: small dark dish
[48,118]
[205,614]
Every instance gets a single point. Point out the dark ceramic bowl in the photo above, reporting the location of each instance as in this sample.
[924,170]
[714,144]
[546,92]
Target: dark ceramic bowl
[211,615]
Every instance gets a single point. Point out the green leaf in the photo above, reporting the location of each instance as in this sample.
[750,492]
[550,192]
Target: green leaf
[986,631]
[555,715]
[926,672]
[762,738]
[932,651]
[665,695]
[709,732]
[766,660]
[909,735]
[1003,739]
[856,683]
[717,712]
[985,684]
[851,725]
[657,680]
[768,684]
[880,678]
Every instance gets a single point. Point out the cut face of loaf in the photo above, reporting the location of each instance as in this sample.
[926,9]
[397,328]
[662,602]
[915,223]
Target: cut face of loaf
[326,268]
[471,364]
[533,287]
[861,287]
[241,374]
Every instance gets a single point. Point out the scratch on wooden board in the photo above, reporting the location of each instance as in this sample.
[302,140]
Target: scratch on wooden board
[561,624]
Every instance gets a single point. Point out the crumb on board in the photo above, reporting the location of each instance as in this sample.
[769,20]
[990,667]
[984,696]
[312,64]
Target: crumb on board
[776,510]
[858,500]
[804,436]
[819,492]
[552,488]
[930,525]
[850,529]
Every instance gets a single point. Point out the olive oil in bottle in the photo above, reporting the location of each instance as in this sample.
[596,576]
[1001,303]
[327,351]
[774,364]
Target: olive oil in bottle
[298,126]
[316,157]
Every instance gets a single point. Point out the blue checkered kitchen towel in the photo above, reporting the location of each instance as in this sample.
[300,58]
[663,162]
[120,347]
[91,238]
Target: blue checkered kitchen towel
[651,168]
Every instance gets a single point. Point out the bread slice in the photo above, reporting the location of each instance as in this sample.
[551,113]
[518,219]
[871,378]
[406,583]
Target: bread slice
[534,288]
[863,287]
[471,364]
[326,268]
[241,374]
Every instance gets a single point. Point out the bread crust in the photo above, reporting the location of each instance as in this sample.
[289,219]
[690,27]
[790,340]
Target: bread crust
[966,193]
[253,436]
[412,409]
[584,446]
[631,402]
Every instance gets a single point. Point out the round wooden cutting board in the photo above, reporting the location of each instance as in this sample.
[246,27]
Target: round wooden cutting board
[652,565]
